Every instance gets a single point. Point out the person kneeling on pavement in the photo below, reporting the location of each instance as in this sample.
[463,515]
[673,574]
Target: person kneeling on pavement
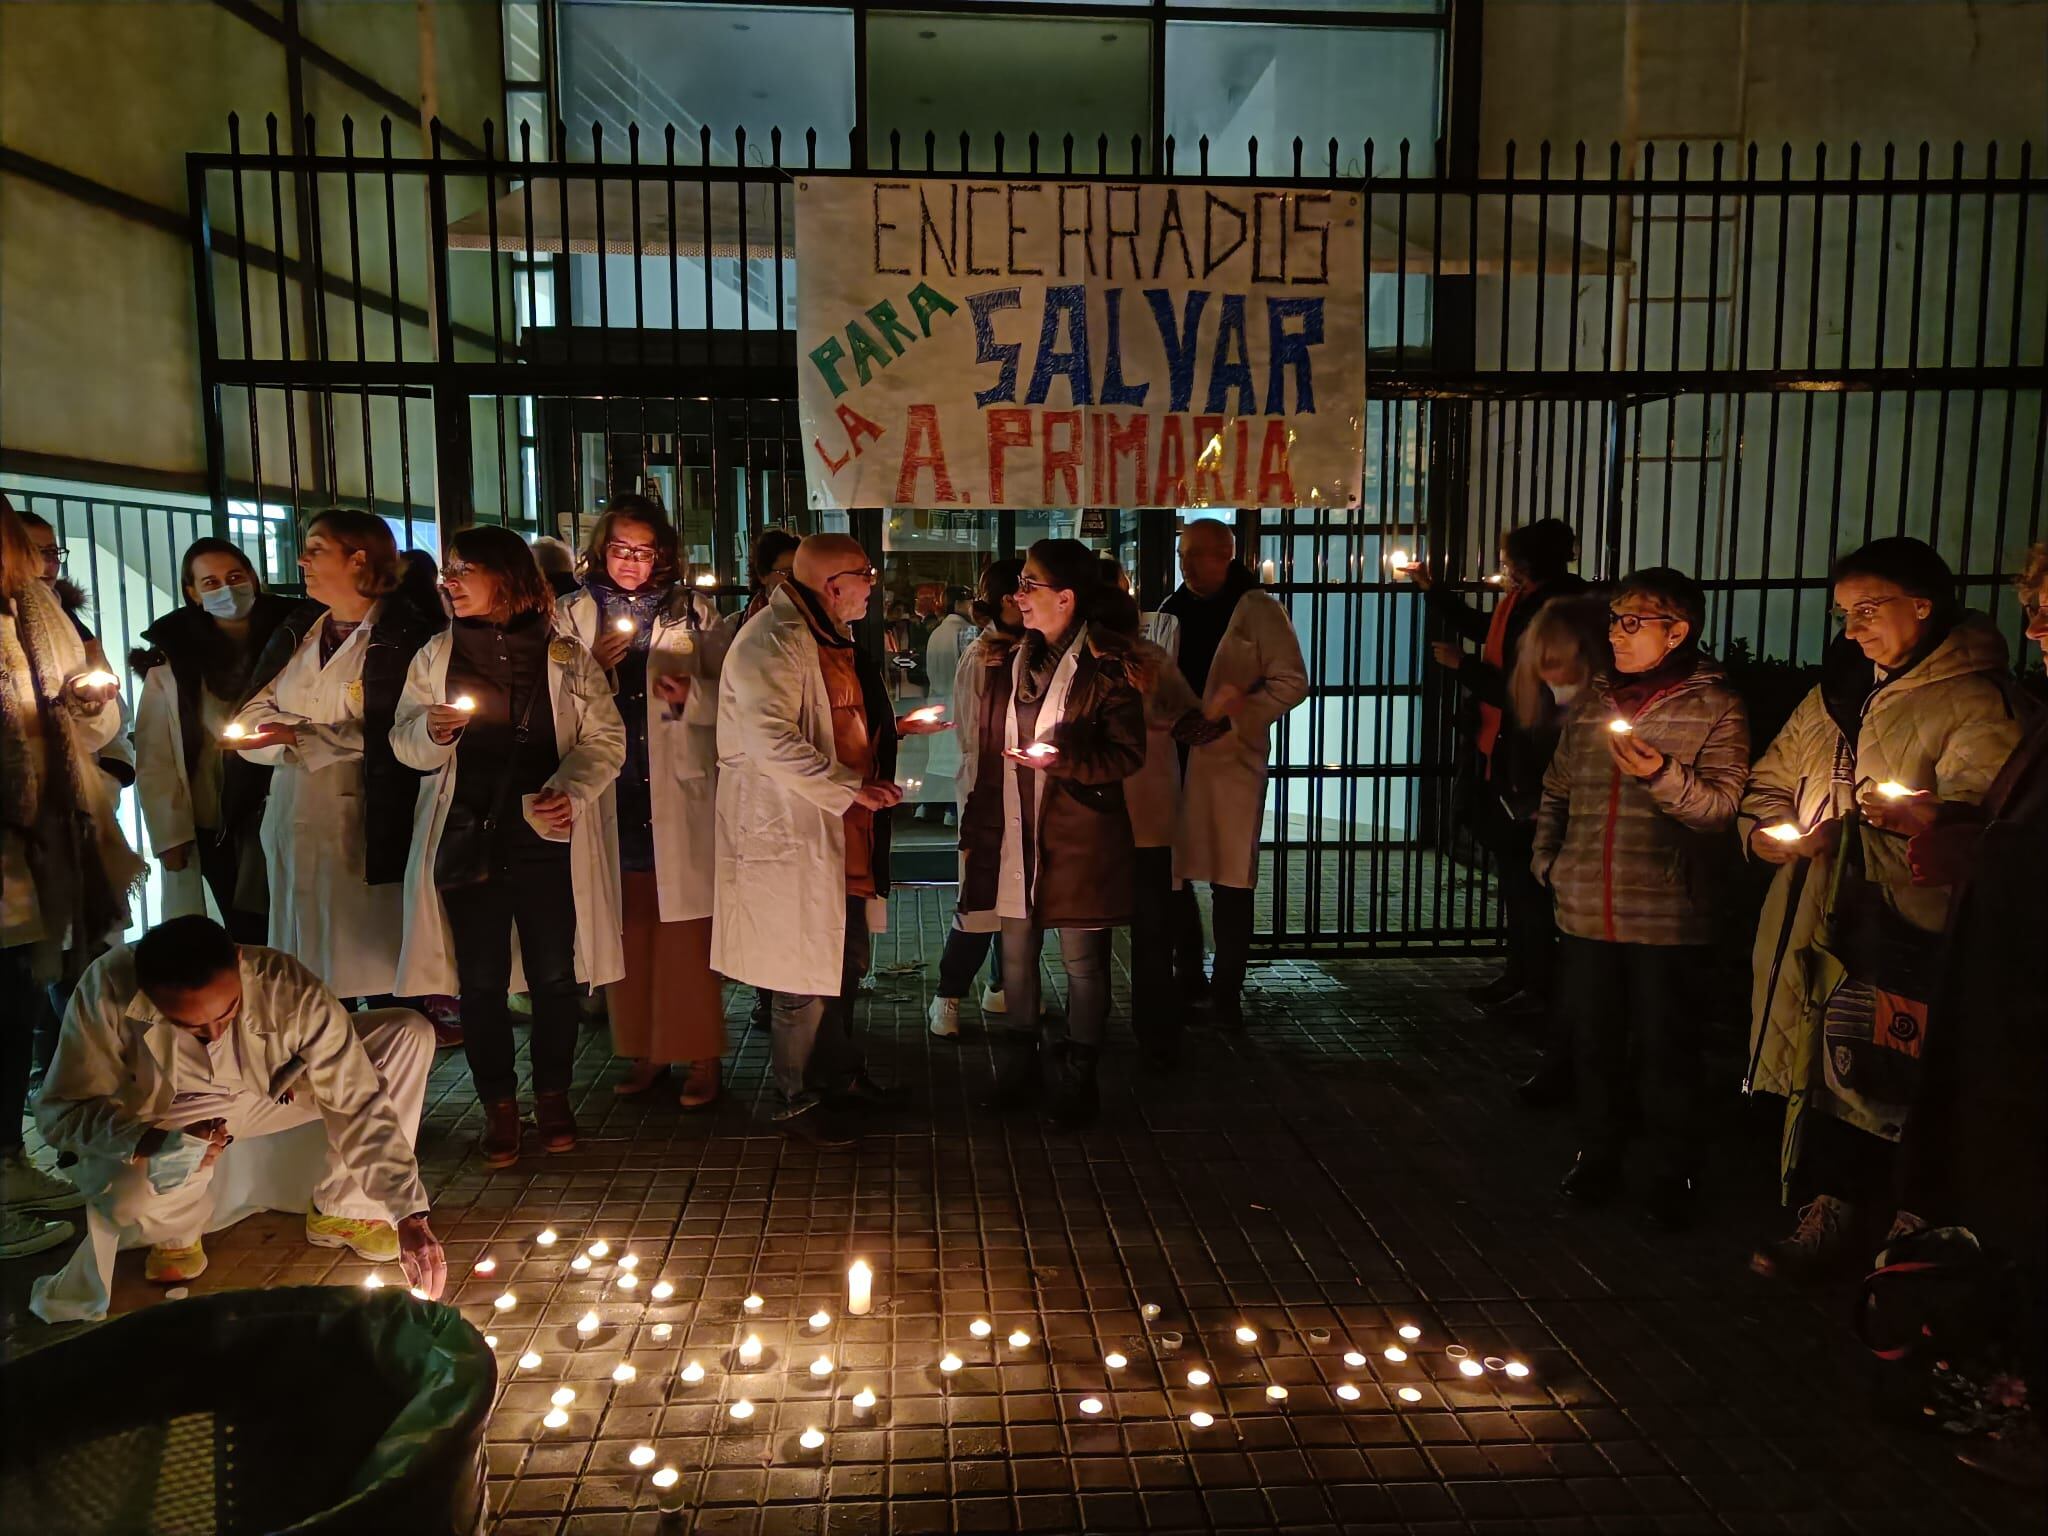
[175,1049]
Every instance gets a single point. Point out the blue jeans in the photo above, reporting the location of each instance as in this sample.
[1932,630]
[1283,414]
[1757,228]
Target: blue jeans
[1084,954]
[963,956]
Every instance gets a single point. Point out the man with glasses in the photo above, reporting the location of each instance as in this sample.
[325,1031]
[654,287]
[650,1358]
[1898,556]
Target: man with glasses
[807,760]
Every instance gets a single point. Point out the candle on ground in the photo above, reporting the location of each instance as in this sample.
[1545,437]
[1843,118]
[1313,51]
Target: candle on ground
[1115,1361]
[628,1281]
[668,1485]
[528,1361]
[1090,1405]
[662,1290]
[820,1320]
[629,1261]
[1409,1395]
[950,1363]
[1020,1340]
[1149,1311]
[624,1372]
[692,1373]
[822,1366]
[864,1401]
[1200,1419]
[485,1266]
[1395,1353]
[1471,1368]
[1410,1332]
[1246,1334]
[860,1283]
[663,1330]
[1198,1378]
[562,1397]
[811,1438]
[754,1303]
[1516,1369]
[1353,1358]
[1348,1392]
[506,1302]
[1276,1393]
[546,1237]
[641,1456]
[600,1248]
[580,1263]
[741,1409]
[555,1418]
[981,1328]
[750,1349]
[587,1324]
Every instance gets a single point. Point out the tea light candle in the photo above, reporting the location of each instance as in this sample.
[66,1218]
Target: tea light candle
[628,1281]
[529,1361]
[981,1328]
[373,1281]
[929,713]
[1516,1369]
[625,626]
[1090,1405]
[860,1288]
[1200,1419]
[600,1248]
[641,1456]
[692,1373]
[1276,1393]
[949,1363]
[1471,1368]
[490,1341]
[1198,1378]
[1319,1335]
[485,1266]
[864,1401]
[1353,1358]
[1115,1361]
[750,1349]
[1410,1332]
[1784,832]
[99,678]
[562,1397]
[1020,1340]
[419,1295]
[707,579]
[1397,559]
[662,1331]
[741,1409]
[555,1418]
[1040,750]
[1347,1391]
[1395,1353]
[1246,1334]
[466,703]
[822,1366]
[820,1320]
[546,1237]
[667,1483]
[1892,789]
[811,1439]
[1169,1341]
[506,1302]
[754,1303]
[623,1372]
[1619,726]
[235,731]
[662,1290]
[587,1324]
[1409,1395]
[581,1263]
[1149,1311]
[629,1261]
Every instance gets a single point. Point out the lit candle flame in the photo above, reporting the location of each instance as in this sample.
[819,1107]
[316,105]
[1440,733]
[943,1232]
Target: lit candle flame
[628,1280]
[529,1361]
[1348,1392]
[741,1409]
[950,1363]
[1198,1378]
[864,1399]
[1246,1334]
[811,1438]
[663,1330]
[506,1302]
[981,1328]
[1410,1332]
[1040,750]
[1395,1353]
[750,1348]
[641,1456]
[600,1248]
[562,1397]
[624,1372]
[822,1366]
[486,1265]
[235,731]
[1516,1369]
[1200,1419]
[1115,1361]
[752,1303]
[1090,1405]
[580,1263]
[1276,1393]
[707,578]
[555,1418]
[1471,1368]
[1353,1358]
[1398,559]
[546,1239]
[587,1324]
[1784,832]
[929,712]
[821,1320]
[629,1261]
[466,703]
[1409,1395]
[662,1290]
[1892,789]
[1020,1339]
[373,1281]
[625,626]
[860,1283]
[692,1373]
[667,1478]
[1619,726]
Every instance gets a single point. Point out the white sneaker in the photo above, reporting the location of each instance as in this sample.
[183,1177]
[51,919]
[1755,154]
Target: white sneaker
[24,1232]
[25,1187]
[992,1000]
[945,1017]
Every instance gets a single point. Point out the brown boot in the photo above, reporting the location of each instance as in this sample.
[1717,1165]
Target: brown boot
[556,1120]
[500,1143]
[700,1088]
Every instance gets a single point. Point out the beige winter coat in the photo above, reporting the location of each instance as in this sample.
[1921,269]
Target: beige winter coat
[1946,726]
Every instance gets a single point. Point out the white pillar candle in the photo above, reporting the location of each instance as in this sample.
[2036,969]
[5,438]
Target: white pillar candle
[668,1483]
[860,1283]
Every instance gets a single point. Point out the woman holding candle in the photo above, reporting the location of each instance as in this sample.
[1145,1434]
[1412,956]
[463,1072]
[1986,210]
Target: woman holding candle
[65,871]
[1915,691]
[514,878]
[1973,1155]
[1045,839]
[203,805]
[337,825]
[1626,837]
[643,626]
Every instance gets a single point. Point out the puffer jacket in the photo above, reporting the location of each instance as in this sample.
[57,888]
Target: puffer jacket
[1632,861]
[1947,726]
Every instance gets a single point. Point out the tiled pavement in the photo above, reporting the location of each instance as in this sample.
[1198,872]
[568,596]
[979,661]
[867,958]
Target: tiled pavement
[1351,1163]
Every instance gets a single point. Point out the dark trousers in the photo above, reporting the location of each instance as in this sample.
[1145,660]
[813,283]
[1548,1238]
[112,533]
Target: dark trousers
[21,1001]
[1155,1004]
[220,864]
[537,897]
[1230,912]
[1835,1158]
[963,955]
[1526,907]
[813,1051]
[1630,1002]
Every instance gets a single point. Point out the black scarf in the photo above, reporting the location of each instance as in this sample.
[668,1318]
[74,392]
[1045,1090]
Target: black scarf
[1041,661]
[1203,621]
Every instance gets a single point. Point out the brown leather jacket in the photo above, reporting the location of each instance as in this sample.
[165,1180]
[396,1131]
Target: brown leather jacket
[1083,842]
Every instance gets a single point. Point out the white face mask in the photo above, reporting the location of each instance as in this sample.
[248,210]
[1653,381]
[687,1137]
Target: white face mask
[1564,693]
[232,601]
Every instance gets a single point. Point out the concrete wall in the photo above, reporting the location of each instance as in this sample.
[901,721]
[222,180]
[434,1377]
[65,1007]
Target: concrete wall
[101,358]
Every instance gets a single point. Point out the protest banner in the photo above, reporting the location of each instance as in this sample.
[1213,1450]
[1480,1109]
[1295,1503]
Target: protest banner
[1069,344]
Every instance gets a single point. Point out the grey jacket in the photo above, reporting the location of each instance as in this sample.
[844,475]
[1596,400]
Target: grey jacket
[1630,861]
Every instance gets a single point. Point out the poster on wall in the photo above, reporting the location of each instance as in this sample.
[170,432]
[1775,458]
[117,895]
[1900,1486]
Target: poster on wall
[1014,343]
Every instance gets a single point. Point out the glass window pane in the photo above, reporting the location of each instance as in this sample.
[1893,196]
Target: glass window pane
[985,75]
[698,66]
[1430,7]
[522,40]
[1233,81]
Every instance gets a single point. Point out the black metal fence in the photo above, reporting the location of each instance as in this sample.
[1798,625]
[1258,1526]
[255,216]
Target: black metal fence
[1726,359]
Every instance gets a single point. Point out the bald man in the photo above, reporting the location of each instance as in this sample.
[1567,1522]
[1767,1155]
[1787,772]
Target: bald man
[1239,653]
[807,763]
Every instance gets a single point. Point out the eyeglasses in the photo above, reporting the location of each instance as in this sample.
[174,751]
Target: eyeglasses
[1632,623]
[456,573]
[56,552]
[1863,613]
[630,554]
[866,573]
[1026,585]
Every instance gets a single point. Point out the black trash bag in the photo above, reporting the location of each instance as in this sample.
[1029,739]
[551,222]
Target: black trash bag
[307,1409]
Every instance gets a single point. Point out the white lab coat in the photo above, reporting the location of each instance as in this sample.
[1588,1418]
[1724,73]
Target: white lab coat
[114,1075]
[591,741]
[682,749]
[949,641]
[1152,794]
[1224,798]
[322,909]
[780,918]
[163,789]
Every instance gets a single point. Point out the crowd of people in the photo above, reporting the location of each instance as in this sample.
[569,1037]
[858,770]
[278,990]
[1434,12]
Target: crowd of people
[507,780]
